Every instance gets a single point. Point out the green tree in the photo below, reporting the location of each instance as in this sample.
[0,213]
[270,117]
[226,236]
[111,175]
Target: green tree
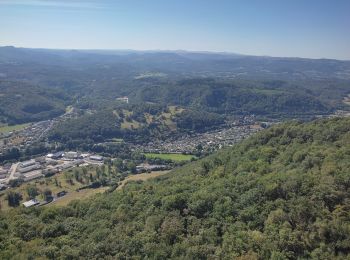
[32,191]
[47,195]
[13,198]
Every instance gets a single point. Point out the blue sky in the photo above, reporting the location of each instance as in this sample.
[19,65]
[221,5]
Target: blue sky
[297,28]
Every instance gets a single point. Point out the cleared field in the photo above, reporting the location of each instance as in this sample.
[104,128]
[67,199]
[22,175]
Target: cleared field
[130,125]
[69,109]
[75,195]
[170,156]
[141,177]
[6,128]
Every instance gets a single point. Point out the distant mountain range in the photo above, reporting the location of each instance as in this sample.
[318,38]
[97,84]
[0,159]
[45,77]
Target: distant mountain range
[222,83]
[184,62]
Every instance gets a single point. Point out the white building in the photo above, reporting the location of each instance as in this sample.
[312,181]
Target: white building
[71,155]
[96,158]
[30,203]
[123,99]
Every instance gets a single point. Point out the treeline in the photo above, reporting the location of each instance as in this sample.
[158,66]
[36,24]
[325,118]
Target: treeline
[281,194]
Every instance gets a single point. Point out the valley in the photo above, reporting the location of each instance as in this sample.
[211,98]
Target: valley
[210,158]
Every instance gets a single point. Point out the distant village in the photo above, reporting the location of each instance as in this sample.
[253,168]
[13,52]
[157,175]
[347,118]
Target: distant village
[208,141]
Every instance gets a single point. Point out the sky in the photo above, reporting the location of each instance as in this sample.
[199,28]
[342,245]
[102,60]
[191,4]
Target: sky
[283,28]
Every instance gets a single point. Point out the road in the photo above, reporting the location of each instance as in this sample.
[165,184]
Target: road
[12,172]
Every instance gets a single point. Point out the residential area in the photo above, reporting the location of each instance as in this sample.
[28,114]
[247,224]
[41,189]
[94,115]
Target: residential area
[209,141]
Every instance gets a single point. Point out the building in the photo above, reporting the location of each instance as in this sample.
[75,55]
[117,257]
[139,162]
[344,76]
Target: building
[29,168]
[27,163]
[123,99]
[71,155]
[84,155]
[96,158]
[3,173]
[68,165]
[31,203]
[57,155]
[32,175]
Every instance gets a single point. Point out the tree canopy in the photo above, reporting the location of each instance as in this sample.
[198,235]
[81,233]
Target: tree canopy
[283,193]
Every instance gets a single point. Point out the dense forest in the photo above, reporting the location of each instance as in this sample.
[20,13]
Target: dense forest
[280,194]
[21,102]
[269,98]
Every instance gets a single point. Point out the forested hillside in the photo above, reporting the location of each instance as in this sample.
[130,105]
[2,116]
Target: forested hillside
[21,102]
[268,98]
[281,194]
[139,123]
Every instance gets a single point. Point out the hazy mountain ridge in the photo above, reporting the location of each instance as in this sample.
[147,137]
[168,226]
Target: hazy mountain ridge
[181,62]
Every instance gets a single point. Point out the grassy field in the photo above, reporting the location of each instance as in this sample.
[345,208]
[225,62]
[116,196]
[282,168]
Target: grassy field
[170,156]
[77,195]
[130,125]
[140,177]
[6,128]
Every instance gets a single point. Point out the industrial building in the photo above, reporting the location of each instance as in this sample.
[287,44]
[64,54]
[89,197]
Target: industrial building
[96,158]
[32,167]
[71,155]
[27,163]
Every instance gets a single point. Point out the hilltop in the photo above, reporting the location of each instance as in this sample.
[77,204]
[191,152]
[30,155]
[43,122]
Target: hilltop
[282,193]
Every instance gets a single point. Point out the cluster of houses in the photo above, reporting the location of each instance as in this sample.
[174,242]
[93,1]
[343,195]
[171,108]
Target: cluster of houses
[208,141]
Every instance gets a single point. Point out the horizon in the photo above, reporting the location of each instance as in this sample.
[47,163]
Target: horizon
[228,53]
[316,29]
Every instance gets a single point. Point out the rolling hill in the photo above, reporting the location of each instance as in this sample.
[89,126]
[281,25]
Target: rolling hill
[281,194]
